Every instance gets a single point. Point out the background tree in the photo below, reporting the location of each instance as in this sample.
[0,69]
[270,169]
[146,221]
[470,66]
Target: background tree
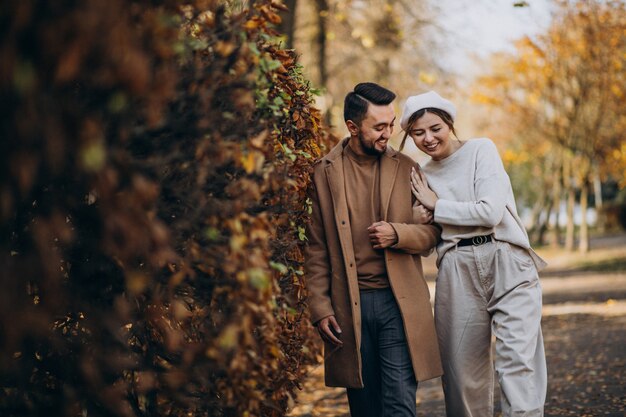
[287,26]
[564,92]
[345,42]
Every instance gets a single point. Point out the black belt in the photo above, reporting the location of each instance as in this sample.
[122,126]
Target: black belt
[475,241]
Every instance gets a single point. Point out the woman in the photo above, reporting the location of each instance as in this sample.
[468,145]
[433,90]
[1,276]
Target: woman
[487,282]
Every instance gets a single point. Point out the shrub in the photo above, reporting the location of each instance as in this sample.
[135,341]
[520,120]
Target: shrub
[155,159]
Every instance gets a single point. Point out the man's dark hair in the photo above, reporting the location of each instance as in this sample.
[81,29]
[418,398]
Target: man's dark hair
[356,102]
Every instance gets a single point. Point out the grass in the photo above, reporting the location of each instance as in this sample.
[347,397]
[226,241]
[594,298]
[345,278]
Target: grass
[606,265]
[607,254]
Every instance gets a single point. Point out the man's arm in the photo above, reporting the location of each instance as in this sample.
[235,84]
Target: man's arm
[318,270]
[415,239]
[317,264]
[412,238]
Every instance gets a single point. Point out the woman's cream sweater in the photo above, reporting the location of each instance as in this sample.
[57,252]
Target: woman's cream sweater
[475,198]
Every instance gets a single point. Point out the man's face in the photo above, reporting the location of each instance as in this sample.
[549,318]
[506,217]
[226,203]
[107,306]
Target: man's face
[375,130]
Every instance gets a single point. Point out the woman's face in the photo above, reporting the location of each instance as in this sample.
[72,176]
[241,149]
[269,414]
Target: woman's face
[432,136]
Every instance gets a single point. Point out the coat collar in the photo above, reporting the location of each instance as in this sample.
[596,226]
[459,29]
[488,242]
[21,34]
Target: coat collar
[334,173]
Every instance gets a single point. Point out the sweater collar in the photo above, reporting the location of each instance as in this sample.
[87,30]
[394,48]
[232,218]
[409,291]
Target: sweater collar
[360,159]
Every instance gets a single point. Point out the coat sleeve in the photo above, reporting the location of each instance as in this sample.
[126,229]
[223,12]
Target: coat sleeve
[491,189]
[317,263]
[416,239]
[409,248]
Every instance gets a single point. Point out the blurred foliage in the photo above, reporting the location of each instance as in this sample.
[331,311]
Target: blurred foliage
[391,42]
[565,89]
[155,158]
[558,102]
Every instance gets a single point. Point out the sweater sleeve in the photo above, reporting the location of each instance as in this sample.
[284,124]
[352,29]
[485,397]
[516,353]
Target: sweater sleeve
[491,187]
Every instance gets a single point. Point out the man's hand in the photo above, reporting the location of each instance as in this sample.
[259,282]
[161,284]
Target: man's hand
[329,330]
[382,235]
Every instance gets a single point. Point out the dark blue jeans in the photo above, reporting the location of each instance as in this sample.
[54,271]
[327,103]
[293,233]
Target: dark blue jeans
[388,376]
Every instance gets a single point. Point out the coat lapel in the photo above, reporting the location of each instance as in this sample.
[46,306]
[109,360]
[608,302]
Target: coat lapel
[336,184]
[334,175]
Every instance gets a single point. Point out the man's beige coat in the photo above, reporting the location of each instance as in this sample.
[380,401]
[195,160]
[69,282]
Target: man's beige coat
[331,271]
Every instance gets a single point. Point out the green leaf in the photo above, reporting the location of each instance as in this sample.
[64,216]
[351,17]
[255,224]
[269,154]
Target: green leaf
[282,268]
[258,278]
[117,102]
[254,48]
[212,233]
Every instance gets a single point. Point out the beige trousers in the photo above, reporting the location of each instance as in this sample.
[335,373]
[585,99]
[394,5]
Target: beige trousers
[485,290]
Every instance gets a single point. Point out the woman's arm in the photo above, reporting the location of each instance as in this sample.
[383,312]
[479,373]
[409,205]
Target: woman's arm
[491,188]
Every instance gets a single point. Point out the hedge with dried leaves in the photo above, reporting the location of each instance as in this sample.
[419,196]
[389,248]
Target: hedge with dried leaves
[155,158]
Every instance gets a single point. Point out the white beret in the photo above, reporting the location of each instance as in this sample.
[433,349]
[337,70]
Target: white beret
[425,101]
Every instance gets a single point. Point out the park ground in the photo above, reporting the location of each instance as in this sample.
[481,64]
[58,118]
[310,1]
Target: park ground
[584,327]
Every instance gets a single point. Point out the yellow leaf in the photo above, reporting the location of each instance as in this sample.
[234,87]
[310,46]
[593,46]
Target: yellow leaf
[224,48]
[427,78]
[229,337]
[93,156]
[237,242]
[136,282]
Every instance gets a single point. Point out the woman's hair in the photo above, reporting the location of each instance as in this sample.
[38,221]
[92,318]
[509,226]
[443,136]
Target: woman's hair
[447,119]
[356,102]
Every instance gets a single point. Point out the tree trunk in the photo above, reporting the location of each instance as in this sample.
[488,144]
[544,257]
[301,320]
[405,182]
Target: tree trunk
[571,201]
[555,240]
[583,246]
[535,216]
[288,23]
[597,189]
[321,8]
[545,222]
[569,228]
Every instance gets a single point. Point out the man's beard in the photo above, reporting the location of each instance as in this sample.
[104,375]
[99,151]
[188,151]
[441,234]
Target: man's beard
[369,148]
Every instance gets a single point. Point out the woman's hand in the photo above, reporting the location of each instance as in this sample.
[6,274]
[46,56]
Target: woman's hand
[419,187]
[421,215]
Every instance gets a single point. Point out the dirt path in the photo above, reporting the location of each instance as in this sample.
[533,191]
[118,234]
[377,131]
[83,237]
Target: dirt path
[584,326]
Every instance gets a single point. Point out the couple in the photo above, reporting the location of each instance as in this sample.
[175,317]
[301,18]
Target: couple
[374,213]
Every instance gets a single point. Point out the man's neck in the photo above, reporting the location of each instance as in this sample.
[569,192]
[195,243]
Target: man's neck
[357,150]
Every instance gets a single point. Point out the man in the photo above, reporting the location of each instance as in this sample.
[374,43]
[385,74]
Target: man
[367,295]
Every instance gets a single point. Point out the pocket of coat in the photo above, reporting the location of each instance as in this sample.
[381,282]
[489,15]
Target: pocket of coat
[330,349]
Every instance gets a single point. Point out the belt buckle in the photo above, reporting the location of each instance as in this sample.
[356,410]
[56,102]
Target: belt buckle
[479,240]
